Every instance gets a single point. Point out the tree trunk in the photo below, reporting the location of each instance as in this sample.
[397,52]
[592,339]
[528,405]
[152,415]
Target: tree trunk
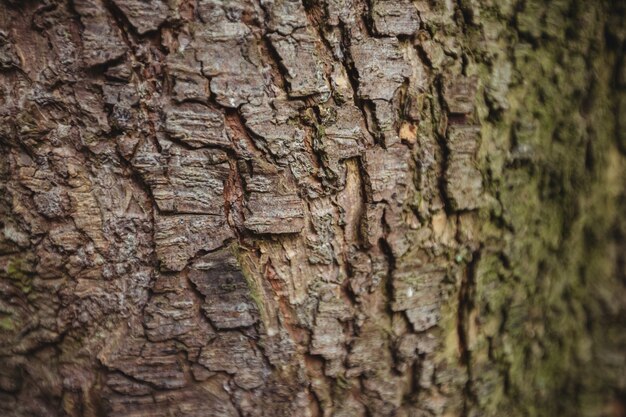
[318,208]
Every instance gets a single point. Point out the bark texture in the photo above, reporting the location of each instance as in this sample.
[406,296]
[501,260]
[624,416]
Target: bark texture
[312,208]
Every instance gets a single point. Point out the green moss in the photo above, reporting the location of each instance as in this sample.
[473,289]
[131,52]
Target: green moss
[546,240]
[7,323]
[255,291]
[342,384]
[18,271]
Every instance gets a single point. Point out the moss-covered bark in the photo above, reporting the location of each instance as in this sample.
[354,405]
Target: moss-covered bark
[346,208]
[549,282]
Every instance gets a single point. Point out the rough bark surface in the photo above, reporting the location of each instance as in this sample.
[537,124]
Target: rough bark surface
[312,208]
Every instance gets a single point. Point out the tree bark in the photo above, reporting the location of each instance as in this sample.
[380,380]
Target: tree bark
[317,208]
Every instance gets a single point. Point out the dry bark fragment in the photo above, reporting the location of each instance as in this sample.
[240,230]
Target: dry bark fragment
[196,124]
[184,181]
[305,75]
[178,238]
[227,304]
[459,93]
[270,121]
[387,173]
[188,401]
[417,291]
[463,180]
[393,18]
[232,352]
[145,16]
[380,66]
[229,54]
[341,138]
[102,39]
[185,72]
[173,315]
[271,213]
[154,363]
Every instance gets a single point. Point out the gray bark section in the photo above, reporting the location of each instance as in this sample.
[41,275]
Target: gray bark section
[346,208]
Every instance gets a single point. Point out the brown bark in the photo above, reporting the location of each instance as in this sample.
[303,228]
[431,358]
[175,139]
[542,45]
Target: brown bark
[287,208]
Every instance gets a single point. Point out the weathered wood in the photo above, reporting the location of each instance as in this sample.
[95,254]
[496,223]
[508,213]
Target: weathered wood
[312,208]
